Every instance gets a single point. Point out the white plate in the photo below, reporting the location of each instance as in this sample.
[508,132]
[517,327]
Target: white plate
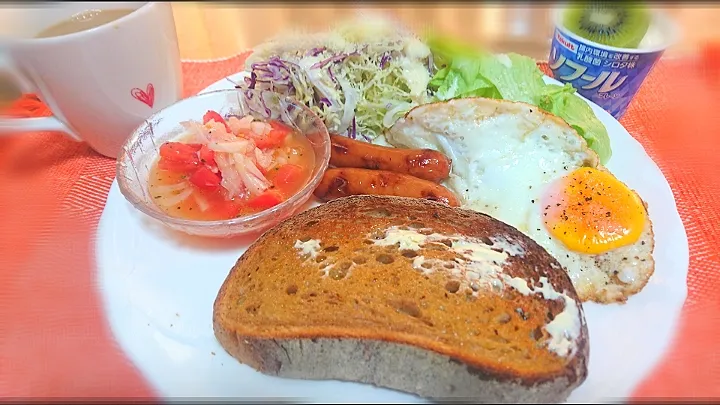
[158,288]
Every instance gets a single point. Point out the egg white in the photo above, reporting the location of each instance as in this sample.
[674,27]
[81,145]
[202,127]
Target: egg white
[505,156]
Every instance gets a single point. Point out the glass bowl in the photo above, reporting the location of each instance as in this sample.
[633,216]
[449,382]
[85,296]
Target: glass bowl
[141,151]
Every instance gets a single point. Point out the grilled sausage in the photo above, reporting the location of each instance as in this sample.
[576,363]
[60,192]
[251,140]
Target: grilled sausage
[342,182]
[426,164]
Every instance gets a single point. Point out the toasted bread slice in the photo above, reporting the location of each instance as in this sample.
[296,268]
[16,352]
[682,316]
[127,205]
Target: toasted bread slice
[536,147]
[407,294]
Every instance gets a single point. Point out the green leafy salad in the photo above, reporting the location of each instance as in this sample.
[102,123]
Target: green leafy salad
[361,77]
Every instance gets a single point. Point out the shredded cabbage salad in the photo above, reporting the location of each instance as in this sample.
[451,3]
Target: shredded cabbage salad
[359,78]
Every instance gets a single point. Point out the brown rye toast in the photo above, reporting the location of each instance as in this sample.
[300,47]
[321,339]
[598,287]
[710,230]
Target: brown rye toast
[329,294]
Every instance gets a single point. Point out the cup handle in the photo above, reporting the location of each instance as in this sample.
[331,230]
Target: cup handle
[15,125]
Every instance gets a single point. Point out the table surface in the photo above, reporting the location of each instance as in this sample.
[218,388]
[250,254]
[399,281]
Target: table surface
[218,30]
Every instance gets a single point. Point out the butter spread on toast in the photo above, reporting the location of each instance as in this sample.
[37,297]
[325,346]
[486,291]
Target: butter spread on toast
[480,263]
[309,248]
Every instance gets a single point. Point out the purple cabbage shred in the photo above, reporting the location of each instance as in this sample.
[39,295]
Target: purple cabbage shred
[384,60]
[333,59]
[268,113]
[336,58]
[316,51]
[250,81]
[249,97]
[274,74]
[352,132]
[273,70]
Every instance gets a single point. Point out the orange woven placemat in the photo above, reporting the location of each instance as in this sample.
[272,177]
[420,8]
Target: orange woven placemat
[54,341]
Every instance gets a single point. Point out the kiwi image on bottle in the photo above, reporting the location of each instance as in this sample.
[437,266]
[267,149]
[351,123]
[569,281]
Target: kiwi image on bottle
[619,24]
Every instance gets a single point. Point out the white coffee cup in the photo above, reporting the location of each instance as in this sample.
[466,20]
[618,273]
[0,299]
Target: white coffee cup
[100,83]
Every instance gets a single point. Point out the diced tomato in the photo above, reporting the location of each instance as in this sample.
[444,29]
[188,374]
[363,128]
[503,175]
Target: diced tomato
[276,137]
[204,178]
[227,209]
[195,146]
[207,156]
[179,152]
[287,176]
[214,116]
[179,157]
[268,199]
[176,166]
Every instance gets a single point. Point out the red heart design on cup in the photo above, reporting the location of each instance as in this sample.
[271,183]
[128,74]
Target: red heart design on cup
[147,96]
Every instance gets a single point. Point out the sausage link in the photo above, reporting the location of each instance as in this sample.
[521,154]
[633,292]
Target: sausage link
[426,164]
[342,182]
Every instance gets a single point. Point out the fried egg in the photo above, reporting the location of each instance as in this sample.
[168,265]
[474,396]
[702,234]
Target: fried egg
[530,169]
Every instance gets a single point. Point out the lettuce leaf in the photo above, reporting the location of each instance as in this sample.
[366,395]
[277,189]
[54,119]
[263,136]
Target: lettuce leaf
[467,72]
[516,77]
[445,49]
[563,102]
[462,79]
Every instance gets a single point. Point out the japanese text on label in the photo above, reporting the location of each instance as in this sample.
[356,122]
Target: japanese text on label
[605,81]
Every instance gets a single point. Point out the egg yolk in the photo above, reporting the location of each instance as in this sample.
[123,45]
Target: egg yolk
[592,212]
